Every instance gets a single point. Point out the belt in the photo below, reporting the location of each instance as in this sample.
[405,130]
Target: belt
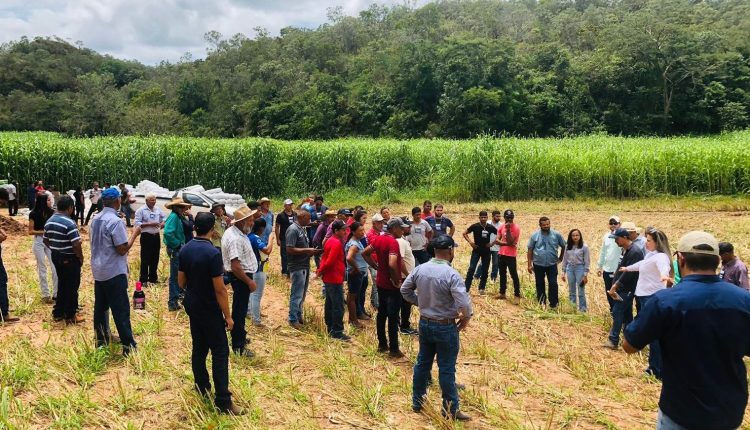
[230,275]
[446,322]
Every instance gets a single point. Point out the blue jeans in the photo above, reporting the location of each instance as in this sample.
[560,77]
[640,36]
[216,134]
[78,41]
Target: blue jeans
[256,296]
[300,281]
[174,267]
[495,266]
[575,275]
[421,256]
[334,309]
[439,340]
[374,298]
[550,272]
[475,257]
[663,422]
[360,282]
[620,316]
[654,348]
[112,294]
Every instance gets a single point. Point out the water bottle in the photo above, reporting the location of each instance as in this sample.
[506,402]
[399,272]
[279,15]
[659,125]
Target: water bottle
[139,297]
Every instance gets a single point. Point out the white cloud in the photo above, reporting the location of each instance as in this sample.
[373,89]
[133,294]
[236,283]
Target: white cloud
[151,31]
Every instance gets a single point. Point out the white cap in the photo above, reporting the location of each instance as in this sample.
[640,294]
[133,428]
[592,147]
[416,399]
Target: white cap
[288,201]
[377,218]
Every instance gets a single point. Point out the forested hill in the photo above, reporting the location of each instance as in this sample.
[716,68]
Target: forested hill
[448,69]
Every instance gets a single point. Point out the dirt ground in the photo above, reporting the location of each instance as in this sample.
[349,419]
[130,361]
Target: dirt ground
[524,367]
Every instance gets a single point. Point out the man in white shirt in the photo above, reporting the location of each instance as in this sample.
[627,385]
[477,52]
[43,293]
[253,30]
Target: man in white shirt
[151,220]
[409,262]
[12,198]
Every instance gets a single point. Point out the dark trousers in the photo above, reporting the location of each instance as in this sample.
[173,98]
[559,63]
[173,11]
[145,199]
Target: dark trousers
[508,264]
[622,315]
[405,315]
[282,252]
[92,209]
[476,256]
[4,305]
[208,333]
[68,269]
[240,300]
[79,215]
[654,348]
[363,279]
[493,272]
[551,273]
[421,256]
[13,207]
[607,276]
[389,305]
[112,294]
[150,248]
[334,309]
[441,341]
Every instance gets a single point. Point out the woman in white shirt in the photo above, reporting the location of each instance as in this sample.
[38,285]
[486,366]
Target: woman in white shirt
[655,269]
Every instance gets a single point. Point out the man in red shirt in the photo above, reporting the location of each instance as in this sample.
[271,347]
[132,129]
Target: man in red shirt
[427,209]
[372,234]
[507,237]
[388,282]
[331,271]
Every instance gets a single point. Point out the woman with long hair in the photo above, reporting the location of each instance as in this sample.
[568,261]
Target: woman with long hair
[575,268]
[655,270]
[37,218]
[356,268]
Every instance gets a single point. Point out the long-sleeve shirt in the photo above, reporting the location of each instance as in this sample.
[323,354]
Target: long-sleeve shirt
[332,267]
[438,290]
[628,280]
[653,267]
[174,234]
[577,257]
[609,255]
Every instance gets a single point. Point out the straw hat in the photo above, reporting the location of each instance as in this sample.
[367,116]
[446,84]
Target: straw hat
[177,201]
[243,212]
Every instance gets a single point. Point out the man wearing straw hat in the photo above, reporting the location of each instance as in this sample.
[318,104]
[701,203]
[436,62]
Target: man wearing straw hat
[240,265]
[174,239]
[703,328]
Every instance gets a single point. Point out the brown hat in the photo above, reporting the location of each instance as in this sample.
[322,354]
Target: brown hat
[243,212]
[689,243]
[177,201]
[330,212]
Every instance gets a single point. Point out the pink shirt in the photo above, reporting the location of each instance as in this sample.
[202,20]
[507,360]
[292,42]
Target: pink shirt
[515,233]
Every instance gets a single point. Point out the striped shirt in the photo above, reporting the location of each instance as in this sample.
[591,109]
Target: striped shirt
[61,232]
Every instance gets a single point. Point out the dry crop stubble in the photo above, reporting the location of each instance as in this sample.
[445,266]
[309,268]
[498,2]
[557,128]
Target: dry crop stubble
[525,367]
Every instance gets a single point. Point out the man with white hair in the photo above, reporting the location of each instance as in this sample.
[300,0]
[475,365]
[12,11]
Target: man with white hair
[151,219]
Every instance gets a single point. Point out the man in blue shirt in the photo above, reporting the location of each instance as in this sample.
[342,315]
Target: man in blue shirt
[703,328]
[109,265]
[542,260]
[201,276]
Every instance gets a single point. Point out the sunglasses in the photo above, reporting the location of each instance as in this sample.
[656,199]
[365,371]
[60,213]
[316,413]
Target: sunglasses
[614,223]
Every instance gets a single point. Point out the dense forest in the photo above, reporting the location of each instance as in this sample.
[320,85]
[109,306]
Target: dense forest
[449,69]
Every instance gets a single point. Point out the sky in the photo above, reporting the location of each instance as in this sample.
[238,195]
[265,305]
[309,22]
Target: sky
[154,30]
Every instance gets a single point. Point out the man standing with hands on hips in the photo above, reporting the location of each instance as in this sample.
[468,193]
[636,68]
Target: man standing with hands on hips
[445,309]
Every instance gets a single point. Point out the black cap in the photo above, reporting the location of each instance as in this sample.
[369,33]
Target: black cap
[218,205]
[508,214]
[620,232]
[346,212]
[204,222]
[337,225]
[442,241]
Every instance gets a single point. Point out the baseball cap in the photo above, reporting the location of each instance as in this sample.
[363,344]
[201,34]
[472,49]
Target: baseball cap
[442,241]
[629,226]
[111,193]
[615,218]
[377,218]
[620,232]
[288,201]
[346,212]
[218,205]
[338,225]
[264,199]
[690,242]
[396,222]
[508,214]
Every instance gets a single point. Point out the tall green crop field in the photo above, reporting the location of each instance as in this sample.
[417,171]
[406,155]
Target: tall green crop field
[481,168]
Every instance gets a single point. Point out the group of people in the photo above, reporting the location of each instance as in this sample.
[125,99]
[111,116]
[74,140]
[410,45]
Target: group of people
[409,262]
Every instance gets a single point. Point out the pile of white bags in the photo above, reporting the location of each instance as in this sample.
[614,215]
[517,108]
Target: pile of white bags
[217,194]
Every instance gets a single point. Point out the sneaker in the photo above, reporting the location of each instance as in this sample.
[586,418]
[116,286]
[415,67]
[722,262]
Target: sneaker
[233,410]
[382,349]
[610,345]
[9,319]
[342,337]
[482,292]
[295,325]
[364,317]
[245,353]
[396,354]
[174,307]
[75,320]
[409,331]
[460,416]
[501,296]
[47,300]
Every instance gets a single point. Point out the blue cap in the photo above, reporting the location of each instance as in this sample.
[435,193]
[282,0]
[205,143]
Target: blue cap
[111,193]
[620,232]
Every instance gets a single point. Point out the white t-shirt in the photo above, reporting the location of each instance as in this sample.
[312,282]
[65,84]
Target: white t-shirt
[11,191]
[652,268]
[418,236]
[406,255]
